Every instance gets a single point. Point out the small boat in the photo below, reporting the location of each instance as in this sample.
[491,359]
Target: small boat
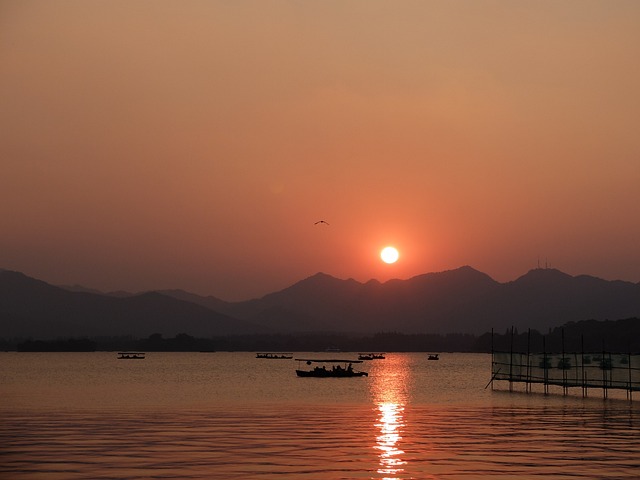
[371,356]
[275,355]
[336,368]
[434,356]
[131,355]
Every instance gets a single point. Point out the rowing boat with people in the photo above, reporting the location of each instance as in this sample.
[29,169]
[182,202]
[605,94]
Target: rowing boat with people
[328,368]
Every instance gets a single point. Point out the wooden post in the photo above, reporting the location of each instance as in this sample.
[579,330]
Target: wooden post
[604,373]
[511,362]
[576,371]
[564,370]
[630,385]
[492,360]
[584,378]
[528,389]
[544,364]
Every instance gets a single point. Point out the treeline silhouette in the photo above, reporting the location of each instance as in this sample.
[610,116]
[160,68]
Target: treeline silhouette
[66,345]
[313,342]
[622,336]
[619,336]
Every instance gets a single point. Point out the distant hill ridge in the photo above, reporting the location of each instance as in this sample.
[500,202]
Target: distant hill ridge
[463,300]
[33,308]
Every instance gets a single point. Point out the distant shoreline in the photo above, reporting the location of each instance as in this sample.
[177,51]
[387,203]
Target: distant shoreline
[622,336]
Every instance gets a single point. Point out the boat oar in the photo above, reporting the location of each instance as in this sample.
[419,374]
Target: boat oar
[492,379]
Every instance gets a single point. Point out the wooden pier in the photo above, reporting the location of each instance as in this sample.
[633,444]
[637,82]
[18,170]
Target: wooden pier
[585,370]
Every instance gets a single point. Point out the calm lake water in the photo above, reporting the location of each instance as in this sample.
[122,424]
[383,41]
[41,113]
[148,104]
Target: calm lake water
[230,415]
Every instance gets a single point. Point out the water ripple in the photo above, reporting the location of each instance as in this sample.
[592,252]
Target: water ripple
[331,442]
[195,417]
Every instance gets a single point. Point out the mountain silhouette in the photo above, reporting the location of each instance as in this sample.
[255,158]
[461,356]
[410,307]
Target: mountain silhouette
[33,308]
[462,300]
[323,303]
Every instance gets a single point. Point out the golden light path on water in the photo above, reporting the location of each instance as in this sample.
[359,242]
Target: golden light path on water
[390,424]
[389,387]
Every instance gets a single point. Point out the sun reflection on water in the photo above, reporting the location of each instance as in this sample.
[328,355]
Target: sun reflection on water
[390,425]
[389,389]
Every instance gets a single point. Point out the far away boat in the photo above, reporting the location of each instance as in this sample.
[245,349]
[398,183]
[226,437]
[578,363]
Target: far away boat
[371,356]
[275,355]
[434,356]
[131,355]
[322,368]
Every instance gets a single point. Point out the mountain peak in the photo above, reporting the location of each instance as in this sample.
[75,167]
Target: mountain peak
[319,280]
[320,276]
[461,274]
[544,275]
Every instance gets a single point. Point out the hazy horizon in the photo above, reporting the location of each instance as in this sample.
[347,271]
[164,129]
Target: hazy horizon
[194,144]
[293,282]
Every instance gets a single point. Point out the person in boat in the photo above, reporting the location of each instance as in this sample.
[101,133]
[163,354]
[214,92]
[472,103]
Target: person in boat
[350,368]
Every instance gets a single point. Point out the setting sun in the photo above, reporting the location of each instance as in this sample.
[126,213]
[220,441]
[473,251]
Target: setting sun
[389,255]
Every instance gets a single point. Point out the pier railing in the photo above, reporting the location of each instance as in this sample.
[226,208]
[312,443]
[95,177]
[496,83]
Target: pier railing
[585,370]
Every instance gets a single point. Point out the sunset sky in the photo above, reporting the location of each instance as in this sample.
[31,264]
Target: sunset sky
[193,144]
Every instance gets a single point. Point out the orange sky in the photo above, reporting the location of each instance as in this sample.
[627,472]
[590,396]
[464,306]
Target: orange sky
[193,144]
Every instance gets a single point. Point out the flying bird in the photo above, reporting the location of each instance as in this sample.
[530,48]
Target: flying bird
[321,221]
